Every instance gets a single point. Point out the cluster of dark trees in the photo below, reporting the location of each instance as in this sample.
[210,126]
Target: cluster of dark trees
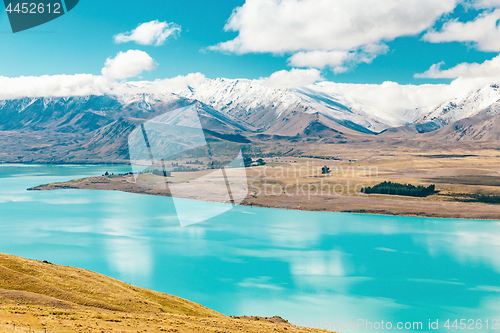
[401,189]
[183,168]
[249,162]
[487,198]
[154,172]
[477,197]
[217,164]
[195,162]
[120,174]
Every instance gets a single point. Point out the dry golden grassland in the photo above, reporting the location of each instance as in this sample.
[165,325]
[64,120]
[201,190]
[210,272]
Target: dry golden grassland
[41,297]
[460,174]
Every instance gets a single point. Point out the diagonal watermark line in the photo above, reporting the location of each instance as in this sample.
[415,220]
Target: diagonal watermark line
[228,186]
[64,6]
[147,143]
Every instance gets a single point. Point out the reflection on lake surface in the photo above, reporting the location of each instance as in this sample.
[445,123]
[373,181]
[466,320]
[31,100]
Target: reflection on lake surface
[308,267]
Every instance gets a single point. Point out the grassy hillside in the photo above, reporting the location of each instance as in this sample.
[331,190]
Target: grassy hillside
[37,296]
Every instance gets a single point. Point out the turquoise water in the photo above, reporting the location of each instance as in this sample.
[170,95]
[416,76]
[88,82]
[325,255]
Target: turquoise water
[313,268]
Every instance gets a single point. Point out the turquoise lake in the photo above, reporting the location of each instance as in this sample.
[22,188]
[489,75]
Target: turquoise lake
[312,268]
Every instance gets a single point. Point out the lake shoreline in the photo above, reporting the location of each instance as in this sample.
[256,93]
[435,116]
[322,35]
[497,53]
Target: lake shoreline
[373,204]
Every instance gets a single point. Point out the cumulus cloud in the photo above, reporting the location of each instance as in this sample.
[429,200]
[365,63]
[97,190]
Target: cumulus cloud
[482,4]
[87,84]
[293,78]
[388,96]
[397,100]
[394,98]
[124,65]
[323,33]
[128,64]
[339,61]
[391,97]
[488,69]
[483,31]
[149,33]
[320,59]
[53,86]
[171,85]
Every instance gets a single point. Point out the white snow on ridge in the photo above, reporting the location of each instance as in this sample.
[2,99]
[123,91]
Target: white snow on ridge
[145,99]
[464,106]
[343,108]
[235,97]
[227,95]
[254,103]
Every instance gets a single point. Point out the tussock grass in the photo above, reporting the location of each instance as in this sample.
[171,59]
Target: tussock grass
[37,296]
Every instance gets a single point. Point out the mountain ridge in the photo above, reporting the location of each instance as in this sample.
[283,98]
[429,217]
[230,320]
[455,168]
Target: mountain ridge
[68,128]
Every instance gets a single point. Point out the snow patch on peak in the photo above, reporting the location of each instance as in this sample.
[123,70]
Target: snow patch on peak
[232,96]
[463,106]
[145,99]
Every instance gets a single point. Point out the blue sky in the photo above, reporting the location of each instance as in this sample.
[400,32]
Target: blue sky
[82,40]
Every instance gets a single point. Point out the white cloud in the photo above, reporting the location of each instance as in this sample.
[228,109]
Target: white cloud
[320,59]
[339,61]
[149,33]
[87,84]
[172,85]
[291,25]
[128,64]
[327,32]
[260,282]
[488,69]
[483,4]
[393,98]
[53,86]
[389,96]
[293,78]
[483,32]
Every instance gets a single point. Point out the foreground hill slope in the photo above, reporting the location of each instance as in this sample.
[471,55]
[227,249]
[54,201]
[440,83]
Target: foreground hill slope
[41,296]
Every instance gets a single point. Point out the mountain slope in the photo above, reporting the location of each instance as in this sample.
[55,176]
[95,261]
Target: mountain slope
[90,128]
[469,117]
[459,108]
[95,128]
[43,296]
[73,286]
[270,110]
[484,126]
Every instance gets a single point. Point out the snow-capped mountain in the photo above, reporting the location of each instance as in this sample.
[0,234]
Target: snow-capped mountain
[461,107]
[270,109]
[251,104]
[282,110]
[241,110]
[255,106]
